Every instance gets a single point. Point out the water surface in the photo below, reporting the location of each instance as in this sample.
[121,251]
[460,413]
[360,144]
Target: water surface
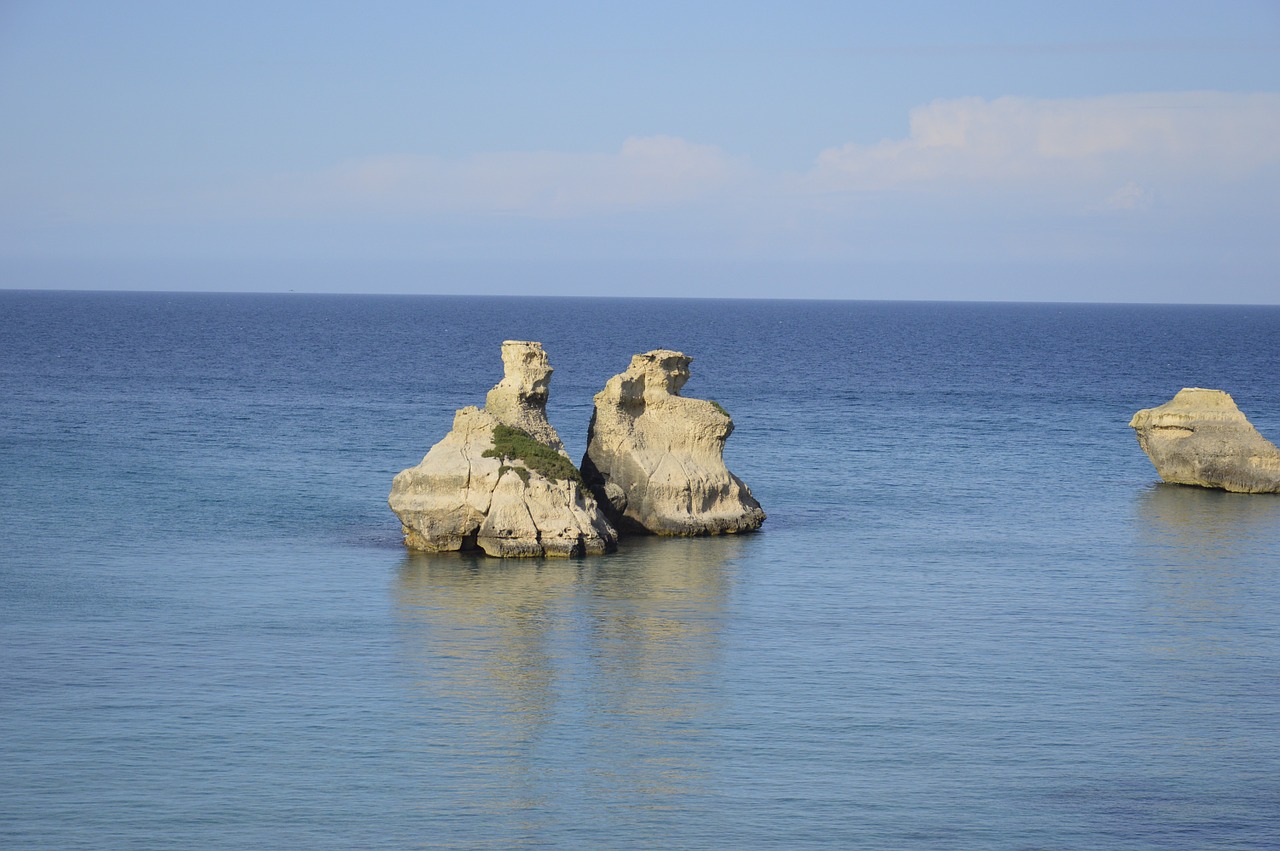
[973,618]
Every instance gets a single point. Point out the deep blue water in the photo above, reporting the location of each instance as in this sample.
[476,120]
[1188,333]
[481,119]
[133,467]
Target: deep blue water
[972,620]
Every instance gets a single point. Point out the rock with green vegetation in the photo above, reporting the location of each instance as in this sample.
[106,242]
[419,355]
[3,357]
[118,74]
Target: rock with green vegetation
[520,399]
[500,480]
[655,459]
[1199,437]
[518,445]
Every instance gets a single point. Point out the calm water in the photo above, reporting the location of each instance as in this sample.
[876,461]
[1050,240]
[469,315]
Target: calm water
[972,620]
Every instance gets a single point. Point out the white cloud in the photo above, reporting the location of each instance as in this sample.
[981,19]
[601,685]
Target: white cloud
[1041,144]
[1131,196]
[646,172]
[1090,155]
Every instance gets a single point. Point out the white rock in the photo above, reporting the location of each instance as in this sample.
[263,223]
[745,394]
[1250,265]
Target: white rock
[520,398]
[1200,437]
[657,458]
[458,498]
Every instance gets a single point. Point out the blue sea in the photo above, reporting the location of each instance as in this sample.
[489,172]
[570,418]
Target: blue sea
[973,619]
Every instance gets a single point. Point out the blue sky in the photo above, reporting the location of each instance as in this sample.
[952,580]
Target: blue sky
[1013,151]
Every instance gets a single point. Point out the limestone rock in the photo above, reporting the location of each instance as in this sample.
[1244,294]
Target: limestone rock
[520,398]
[655,459]
[1201,438]
[528,502]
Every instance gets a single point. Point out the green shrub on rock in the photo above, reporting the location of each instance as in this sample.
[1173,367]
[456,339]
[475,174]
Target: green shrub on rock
[513,444]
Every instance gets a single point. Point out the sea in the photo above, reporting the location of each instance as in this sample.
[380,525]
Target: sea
[974,618]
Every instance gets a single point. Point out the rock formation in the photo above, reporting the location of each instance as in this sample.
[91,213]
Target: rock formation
[655,459]
[500,479]
[519,400]
[1201,438]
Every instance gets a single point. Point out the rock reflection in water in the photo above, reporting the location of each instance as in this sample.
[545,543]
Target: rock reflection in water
[1206,562]
[1200,526]
[546,682]
[1210,559]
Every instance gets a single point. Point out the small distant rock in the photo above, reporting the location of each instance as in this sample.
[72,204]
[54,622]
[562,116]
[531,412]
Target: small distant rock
[1200,437]
[500,480]
[656,459]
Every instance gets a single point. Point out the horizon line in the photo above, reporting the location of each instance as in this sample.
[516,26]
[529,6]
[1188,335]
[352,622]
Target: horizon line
[761,298]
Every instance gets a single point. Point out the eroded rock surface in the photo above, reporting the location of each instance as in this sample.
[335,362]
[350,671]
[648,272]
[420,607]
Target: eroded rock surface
[520,398]
[466,493]
[1200,437]
[656,459]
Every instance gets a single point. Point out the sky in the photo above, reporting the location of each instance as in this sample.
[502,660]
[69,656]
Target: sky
[1025,151]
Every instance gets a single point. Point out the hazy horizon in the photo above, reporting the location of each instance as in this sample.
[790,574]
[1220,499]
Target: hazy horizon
[1096,153]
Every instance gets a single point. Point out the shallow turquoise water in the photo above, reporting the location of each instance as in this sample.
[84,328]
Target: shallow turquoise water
[973,619]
